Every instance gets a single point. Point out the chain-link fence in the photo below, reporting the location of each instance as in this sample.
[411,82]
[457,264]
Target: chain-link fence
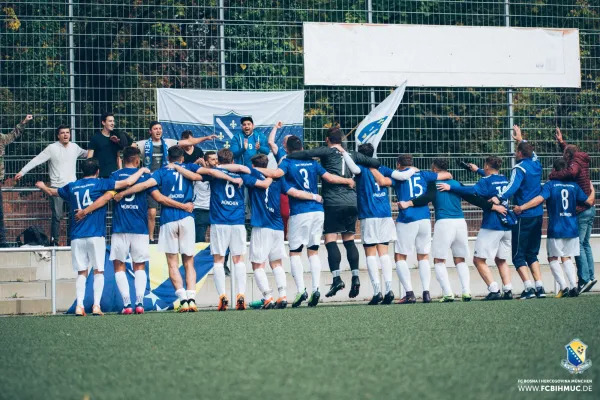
[69,61]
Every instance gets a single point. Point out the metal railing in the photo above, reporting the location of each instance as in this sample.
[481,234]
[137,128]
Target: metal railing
[53,251]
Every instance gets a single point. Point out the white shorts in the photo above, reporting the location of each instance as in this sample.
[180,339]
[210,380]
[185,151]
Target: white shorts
[563,247]
[416,234]
[178,237]
[88,252]
[122,244]
[450,234]
[491,244]
[377,230]
[227,236]
[266,245]
[305,229]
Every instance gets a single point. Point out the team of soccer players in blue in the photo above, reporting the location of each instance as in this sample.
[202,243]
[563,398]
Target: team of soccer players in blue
[355,188]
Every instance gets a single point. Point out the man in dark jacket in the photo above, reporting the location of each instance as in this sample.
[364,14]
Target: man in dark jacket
[340,207]
[578,170]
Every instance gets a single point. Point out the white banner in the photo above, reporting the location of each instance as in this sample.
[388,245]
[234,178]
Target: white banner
[434,56]
[372,128]
[207,112]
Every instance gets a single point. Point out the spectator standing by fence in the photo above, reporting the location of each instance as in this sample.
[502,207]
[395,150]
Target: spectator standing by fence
[5,140]
[62,156]
[578,170]
[106,145]
[191,154]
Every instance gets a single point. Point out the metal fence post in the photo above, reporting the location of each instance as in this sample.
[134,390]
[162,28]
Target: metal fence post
[232,274]
[511,119]
[72,71]
[53,279]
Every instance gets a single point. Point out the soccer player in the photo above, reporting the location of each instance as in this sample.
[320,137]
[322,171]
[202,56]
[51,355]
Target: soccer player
[88,245]
[413,225]
[177,233]
[493,239]
[227,230]
[279,153]
[340,207]
[154,151]
[202,198]
[562,199]
[450,232]
[376,223]
[130,230]
[578,170]
[524,185]
[306,216]
[266,243]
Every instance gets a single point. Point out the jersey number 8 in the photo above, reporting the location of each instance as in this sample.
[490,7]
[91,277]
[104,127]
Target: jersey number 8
[304,174]
[564,195]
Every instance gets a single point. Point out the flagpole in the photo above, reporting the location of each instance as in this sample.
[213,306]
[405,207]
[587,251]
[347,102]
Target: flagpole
[353,129]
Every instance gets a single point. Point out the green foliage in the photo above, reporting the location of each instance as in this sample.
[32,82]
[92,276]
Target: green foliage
[125,49]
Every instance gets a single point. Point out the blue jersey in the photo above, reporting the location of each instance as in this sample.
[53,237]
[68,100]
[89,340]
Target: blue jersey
[302,175]
[410,189]
[227,199]
[372,200]
[281,153]
[561,202]
[265,204]
[486,188]
[525,184]
[175,187]
[243,155]
[81,194]
[130,215]
[447,204]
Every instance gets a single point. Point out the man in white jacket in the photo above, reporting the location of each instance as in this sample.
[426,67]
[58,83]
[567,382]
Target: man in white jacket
[63,155]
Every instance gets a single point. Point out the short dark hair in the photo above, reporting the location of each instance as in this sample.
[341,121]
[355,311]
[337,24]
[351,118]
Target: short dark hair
[61,127]
[406,160]
[293,144]
[335,135]
[130,153]
[559,164]
[247,118]
[441,163]
[494,162]
[208,154]
[260,161]
[90,166]
[152,125]
[367,149]
[106,115]
[186,134]
[175,153]
[526,149]
[225,156]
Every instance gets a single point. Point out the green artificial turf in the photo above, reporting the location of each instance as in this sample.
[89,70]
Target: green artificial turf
[475,350]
